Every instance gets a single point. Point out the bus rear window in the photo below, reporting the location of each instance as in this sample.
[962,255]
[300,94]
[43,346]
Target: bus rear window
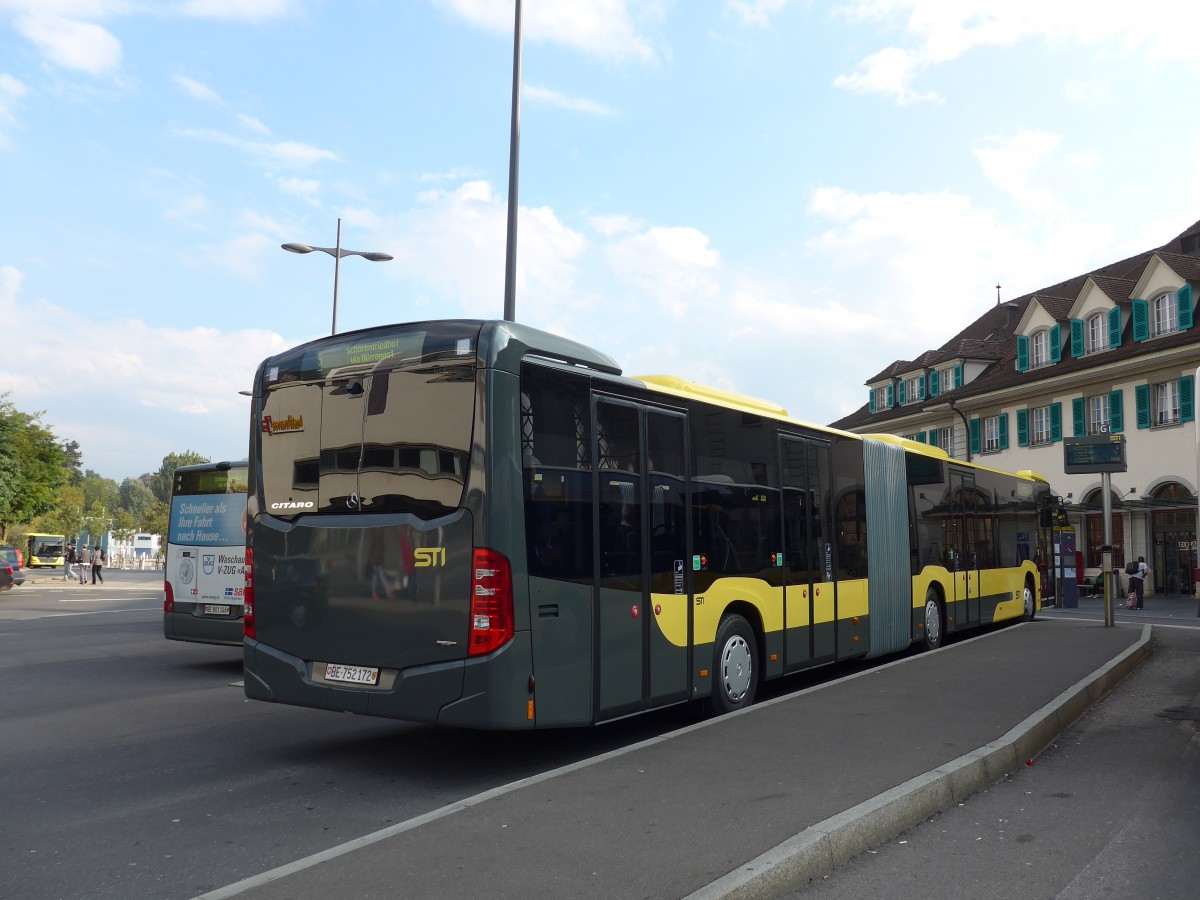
[359,354]
[381,423]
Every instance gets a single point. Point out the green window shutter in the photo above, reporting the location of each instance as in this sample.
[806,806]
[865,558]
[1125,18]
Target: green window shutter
[1022,428]
[1055,422]
[1141,320]
[975,442]
[921,387]
[958,375]
[1142,393]
[1003,431]
[1078,417]
[921,436]
[872,401]
[1187,393]
[1055,344]
[1022,353]
[1114,327]
[1116,412]
[1184,298]
[1077,348]
[903,390]
[935,378]
[891,396]
[932,437]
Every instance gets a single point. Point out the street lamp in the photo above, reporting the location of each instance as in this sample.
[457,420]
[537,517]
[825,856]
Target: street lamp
[337,253]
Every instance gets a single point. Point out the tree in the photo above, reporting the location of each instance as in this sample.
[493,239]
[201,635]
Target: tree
[134,497]
[156,519]
[66,516]
[73,461]
[161,484]
[31,466]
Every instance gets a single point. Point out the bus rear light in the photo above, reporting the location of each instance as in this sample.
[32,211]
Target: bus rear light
[248,595]
[491,602]
[169,598]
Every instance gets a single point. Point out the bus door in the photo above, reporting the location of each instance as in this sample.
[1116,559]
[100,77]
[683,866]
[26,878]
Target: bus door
[809,597]
[962,543]
[642,608]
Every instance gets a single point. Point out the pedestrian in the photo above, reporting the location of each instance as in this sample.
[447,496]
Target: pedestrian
[69,563]
[85,563]
[1138,580]
[97,564]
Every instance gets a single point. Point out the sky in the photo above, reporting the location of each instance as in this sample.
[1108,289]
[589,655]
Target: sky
[777,197]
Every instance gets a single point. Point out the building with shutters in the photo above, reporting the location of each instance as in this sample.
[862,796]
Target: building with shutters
[1111,351]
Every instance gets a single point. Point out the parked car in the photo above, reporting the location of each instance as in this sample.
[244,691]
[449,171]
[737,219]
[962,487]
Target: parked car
[12,567]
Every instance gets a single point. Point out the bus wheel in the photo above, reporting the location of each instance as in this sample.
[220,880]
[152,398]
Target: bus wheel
[933,620]
[735,666]
[1030,603]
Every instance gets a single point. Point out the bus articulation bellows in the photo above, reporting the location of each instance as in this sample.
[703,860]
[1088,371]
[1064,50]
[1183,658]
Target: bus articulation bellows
[483,525]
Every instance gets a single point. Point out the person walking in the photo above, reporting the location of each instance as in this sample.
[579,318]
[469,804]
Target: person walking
[85,563]
[97,564]
[1138,581]
[69,563]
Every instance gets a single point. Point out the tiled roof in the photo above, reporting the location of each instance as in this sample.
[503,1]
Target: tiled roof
[1118,290]
[990,337]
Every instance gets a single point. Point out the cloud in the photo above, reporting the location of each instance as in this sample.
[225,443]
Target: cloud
[70,43]
[12,91]
[938,32]
[198,90]
[889,72]
[238,10]
[304,188]
[602,28]
[1010,164]
[756,12]
[536,94]
[158,387]
[291,154]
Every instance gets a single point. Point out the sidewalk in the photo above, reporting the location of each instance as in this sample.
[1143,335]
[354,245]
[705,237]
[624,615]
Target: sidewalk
[117,576]
[1155,606]
[752,803]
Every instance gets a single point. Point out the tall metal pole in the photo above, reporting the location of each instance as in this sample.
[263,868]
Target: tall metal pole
[337,265]
[514,165]
[1106,554]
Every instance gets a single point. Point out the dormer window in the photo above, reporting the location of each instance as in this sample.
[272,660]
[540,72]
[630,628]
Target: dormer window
[913,389]
[1039,349]
[1163,318]
[1097,333]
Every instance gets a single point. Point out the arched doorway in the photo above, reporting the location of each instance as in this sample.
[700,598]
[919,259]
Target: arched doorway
[1093,528]
[1174,539]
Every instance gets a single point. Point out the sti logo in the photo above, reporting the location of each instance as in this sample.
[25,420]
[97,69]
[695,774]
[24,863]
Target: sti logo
[270,425]
[424,557]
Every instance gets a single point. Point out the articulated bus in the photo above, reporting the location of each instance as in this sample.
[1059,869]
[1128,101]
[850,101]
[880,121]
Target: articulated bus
[479,524]
[203,576]
[44,550]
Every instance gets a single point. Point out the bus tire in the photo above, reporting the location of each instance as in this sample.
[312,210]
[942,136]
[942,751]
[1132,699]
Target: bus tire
[1030,608]
[935,621]
[735,666]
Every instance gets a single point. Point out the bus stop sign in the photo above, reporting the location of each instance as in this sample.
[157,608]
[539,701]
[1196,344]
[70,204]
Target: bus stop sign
[1096,453]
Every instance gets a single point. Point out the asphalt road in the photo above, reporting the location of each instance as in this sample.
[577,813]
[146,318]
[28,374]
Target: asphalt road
[133,766]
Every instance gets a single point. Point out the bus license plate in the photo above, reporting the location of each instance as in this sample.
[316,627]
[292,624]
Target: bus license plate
[211,610]
[352,674]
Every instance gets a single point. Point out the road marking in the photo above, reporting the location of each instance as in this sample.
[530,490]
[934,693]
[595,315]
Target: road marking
[102,599]
[90,612]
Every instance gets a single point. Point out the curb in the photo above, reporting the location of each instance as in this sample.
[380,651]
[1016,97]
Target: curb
[826,845]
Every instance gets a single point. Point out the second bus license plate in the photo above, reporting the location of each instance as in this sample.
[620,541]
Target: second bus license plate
[351,674]
[212,610]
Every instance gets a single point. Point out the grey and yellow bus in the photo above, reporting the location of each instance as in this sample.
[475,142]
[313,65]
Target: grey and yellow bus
[480,524]
[203,575]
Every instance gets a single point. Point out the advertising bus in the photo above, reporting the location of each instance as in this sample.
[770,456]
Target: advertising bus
[203,575]
[42,550]
[480,524]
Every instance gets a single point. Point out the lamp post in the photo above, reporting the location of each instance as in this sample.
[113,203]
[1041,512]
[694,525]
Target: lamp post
[966,428]
[337,253]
